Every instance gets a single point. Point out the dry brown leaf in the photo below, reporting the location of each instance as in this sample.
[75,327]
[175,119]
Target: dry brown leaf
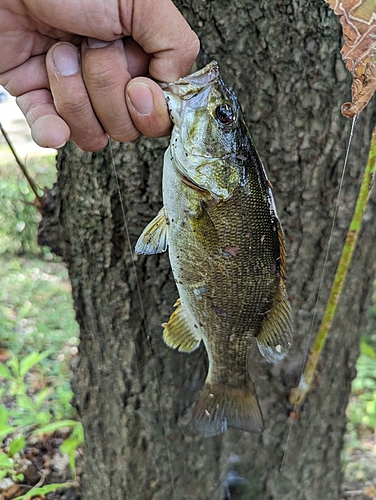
[4,355]
[14,491]
[358,19]
[37,497]
[370,491]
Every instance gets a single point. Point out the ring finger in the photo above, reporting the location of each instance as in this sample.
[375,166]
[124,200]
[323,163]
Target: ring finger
[71,98]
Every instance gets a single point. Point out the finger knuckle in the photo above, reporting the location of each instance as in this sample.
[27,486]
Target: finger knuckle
[103,80]
[127,136]
[73,105]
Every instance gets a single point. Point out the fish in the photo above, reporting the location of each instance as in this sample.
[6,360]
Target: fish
[226,248]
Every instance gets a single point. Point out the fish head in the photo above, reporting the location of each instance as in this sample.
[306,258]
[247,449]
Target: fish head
[208,133]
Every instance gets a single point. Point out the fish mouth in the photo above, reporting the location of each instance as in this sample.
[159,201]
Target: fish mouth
[189,86]
[191,91]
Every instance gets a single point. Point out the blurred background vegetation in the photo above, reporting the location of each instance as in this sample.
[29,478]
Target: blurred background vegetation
[39,334]
[39,339]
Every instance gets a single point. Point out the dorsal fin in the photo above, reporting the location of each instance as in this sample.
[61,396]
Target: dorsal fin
[179,333]
[276,334]
[154,238]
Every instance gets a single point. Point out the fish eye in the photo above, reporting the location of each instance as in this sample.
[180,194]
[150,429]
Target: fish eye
[224,114]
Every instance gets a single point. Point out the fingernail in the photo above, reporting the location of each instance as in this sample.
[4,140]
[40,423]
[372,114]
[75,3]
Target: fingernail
[65,59]
[141,98]
[95,43]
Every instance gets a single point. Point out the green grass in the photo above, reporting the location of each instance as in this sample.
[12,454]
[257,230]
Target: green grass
[361,410]
[38,331]
[35,301]
[36,310]
[36,315]
[359,452]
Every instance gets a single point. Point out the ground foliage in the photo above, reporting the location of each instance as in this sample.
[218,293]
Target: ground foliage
[38,428]
[39,433]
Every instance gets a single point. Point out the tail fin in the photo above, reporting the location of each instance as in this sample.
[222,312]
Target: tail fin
[221,406]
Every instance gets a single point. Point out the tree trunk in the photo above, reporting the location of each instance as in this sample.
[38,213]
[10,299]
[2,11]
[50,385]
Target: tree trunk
[134,394]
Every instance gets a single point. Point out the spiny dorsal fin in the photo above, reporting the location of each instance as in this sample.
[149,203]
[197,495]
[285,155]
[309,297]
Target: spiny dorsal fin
[179,333]
[154,238]
[221,406]
[276,334]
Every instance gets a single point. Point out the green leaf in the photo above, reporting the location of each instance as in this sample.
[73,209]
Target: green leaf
[367,350]
[43,417]
[73,441]
[5,431]
[5,372]
[5,461]
[48,488]
[32,359]
[371,407]
[25,402]
[17,445]
[14,365]
[4,416]
[71,444]
[41,396]
[55,426]
[369,383]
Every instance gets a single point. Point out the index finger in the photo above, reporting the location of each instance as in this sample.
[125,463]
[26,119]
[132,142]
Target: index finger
[162,31]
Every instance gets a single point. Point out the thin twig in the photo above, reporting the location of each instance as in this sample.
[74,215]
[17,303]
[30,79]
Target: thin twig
[30,180]
[298,394]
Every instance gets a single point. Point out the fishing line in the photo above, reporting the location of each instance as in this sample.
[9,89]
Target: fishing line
[143,314]
[317,297]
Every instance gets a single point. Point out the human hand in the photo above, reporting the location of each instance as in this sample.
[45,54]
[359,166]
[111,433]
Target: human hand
[76,66]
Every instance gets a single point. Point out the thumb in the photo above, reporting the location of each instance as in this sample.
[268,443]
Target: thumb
[162,31]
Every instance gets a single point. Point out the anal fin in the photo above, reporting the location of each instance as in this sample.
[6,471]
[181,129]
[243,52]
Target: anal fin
[154,238]
[221,406]
[179,333]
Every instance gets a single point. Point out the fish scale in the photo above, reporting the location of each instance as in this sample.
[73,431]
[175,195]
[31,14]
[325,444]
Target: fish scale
[226,248]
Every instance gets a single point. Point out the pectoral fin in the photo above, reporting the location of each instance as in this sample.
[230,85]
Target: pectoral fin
[276,334]
[179,333]
[154,238]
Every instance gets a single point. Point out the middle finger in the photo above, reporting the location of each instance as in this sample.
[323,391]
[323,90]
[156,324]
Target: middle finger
[71,98]
[106,74]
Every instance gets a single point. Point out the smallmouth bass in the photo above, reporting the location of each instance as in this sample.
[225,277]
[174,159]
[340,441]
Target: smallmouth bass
[226,249]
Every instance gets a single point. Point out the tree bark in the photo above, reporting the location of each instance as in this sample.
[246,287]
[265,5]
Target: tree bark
[134,394]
